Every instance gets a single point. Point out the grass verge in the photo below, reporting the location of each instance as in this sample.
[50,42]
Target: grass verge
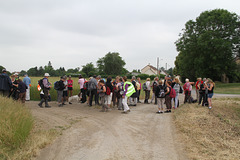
[19,138]
[210,135]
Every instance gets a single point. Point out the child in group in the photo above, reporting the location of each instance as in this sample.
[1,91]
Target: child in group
[102,95]
[160,94]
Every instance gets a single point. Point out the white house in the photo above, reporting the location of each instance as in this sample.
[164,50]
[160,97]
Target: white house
[150,70]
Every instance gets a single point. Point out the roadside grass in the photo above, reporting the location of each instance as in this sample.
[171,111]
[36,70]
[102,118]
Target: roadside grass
[227,88]
[19,136]
[210,135]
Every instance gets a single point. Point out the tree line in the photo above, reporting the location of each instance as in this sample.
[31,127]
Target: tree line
[210,46]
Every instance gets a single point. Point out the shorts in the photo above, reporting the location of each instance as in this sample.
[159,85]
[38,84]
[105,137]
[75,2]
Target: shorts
[70,88]
[210,95]
[65,94]
[108,99]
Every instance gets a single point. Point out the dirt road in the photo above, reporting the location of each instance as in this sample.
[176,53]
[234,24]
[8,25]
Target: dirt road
[92,135]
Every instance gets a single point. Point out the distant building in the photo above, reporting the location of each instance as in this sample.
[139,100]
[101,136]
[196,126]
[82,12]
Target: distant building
[150,70]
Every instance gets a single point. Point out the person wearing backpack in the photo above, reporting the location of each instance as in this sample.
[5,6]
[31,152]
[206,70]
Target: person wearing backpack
[154,86]
[109,89]
[147,89]
[168,99]
[60,87]
[160,93]
[46,85]
[102,94]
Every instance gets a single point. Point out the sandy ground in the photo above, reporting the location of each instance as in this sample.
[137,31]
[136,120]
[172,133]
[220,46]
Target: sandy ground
[92,135]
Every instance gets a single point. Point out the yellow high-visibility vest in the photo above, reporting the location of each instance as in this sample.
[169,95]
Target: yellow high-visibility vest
[130,90]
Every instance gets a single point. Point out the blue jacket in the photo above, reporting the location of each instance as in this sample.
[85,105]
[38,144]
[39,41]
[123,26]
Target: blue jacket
[5,82]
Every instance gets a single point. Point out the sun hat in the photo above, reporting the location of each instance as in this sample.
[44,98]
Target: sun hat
[46,75]
[4,70]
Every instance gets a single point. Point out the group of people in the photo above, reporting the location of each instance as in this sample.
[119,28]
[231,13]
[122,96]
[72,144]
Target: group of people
[15,87]
[110,91]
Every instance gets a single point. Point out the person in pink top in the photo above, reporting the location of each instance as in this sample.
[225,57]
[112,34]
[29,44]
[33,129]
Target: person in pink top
[82,91]
[70,86]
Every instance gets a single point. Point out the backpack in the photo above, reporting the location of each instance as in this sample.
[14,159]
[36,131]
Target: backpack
[161,92]
[56,85]
[108,91]
[177,88]
[154,85]
[144,86]
[40,82]
[172,93]
[85,85]
[201,88]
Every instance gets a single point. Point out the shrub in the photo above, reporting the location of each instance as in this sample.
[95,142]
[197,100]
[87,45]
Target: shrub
[16,122]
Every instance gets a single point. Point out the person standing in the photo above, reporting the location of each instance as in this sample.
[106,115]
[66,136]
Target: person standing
[61,87]
[210,87]
[128,91]
[5,83]
[92,87]
[46,87]
[139,91]
[160,93]
[154,86]
[147,90]
[187,87]
[133,97]
[70,86]
[167,96]
[81,82]
[199,80]
[120,93]
[65,91]
[27,81]
[22,88]
[102,95]
[109,93]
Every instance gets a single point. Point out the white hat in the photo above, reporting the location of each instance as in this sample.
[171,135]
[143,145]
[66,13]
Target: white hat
[46,75]
[16,74]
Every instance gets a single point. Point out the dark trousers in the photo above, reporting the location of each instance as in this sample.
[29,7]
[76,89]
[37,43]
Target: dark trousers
[139,91]
[187,97]
[147,95]
[83,100]
[201,98]
[91,94]
[168,101]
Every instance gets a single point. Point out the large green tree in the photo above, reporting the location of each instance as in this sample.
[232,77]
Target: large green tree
[207,46]
[89,69]
[111,64]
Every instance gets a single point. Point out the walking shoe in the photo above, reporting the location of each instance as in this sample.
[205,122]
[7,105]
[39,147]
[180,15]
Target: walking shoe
[167,111]
[158,112]
[129,110]
[63,104]
[70,102]
[48,106]
[40,105]
[124,112]
[60,105]
[209,107]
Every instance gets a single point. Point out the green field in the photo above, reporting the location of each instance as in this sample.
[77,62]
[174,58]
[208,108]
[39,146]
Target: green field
[35,94]
[227,88]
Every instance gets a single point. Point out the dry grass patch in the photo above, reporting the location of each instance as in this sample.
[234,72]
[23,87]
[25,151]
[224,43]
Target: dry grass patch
[210,135]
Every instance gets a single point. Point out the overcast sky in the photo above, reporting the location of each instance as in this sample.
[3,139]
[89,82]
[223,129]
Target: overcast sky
[71,33]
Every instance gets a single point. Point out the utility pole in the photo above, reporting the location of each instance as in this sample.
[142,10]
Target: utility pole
[157,66]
